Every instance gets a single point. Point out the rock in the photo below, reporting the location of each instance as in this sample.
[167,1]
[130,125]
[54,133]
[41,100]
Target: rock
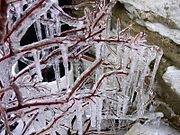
[172,77]
[160,16]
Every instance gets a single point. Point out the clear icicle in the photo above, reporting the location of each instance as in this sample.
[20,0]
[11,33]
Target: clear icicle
[42,121]
[99,112]
[132,71]
[138,68]
[37,64]
[93,113]
[119,110]
[118,28]
[108,26]
[57,74]
[125,105]
[18,8]
[47,32]
[79,112]
[51,30]
[37,27]
[98,50]
[140,111]
[65,63]
[159,54]
[57,26]
[4,73]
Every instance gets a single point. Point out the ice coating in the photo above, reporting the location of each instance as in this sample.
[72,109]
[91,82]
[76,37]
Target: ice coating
[113,79]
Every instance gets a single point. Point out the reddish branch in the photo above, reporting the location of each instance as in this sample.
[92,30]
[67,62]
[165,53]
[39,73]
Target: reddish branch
[4,116]
[78,83]
[29,123]
[17,93]
[28,105]
[99,82]
[55,119]
[3,8]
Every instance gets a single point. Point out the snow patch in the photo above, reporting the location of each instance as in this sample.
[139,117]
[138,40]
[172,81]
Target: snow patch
[173,34]
[152,129]
[172,77]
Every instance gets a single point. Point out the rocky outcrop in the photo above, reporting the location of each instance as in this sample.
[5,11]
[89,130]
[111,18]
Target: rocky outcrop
[172,77]
[159,16]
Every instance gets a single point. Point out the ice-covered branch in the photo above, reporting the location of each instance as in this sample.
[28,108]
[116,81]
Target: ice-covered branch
[76,73]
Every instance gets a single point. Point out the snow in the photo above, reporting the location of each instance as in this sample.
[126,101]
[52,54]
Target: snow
[173,34]
[172,77]
[152,129]
[168,9]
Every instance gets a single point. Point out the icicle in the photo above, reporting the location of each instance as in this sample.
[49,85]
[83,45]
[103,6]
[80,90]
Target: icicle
[126,57]
[18,9]
[93,112]
[51,30]
[119,107]
[37,64]
[125,105]
[119,55]
[118,28]
[138,68]
[108,27]
[57,26]
[38,30]
[4,73]
[131,75]
[98,50]
[42,121]
[47,32]
[57,74]
[65,63]
[158,59]
[99,112]
[79,113]
[141,95]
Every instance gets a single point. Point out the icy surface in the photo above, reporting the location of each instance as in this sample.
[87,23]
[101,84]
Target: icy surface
[113,82]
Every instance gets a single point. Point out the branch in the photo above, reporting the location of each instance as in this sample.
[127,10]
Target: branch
[99,82]
[22,19]
[17,93]
[78,83]
[4,115]
[55,120]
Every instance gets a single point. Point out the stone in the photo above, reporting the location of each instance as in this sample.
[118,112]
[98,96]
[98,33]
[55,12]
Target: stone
[159,16]
[172,77]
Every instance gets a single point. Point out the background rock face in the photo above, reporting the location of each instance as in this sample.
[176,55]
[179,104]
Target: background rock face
[160,16]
